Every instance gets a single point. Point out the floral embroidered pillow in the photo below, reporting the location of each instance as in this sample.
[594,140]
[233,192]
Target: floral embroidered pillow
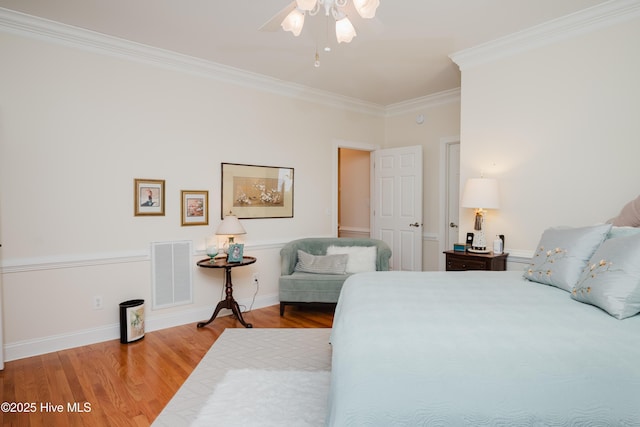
[563,253]
[611,280]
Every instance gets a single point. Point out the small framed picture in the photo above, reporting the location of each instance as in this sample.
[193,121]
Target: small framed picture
[195,207]
[148,197]
[235,252]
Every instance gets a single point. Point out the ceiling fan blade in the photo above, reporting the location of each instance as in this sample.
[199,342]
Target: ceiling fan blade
[273,24]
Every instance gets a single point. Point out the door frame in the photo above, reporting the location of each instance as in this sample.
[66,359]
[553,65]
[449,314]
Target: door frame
[445,143]
[362,146]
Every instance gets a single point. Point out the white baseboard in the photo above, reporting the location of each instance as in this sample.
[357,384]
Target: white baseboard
[354,232]
[35,347]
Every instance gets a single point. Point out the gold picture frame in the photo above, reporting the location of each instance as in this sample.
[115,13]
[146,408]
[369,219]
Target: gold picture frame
[195,207]
[148,197]
[250,191]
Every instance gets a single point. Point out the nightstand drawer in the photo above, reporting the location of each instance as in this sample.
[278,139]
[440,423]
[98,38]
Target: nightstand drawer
[458,264]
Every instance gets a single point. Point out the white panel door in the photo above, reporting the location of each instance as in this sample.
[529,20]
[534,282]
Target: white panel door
[397,215]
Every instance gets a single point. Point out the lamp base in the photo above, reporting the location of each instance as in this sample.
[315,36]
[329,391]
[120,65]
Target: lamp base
[479,251]
[479,244]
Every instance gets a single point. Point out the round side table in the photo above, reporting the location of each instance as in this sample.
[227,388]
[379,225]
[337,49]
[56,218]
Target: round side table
[228,302]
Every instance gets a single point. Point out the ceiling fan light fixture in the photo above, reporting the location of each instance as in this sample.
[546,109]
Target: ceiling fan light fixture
[366,8]
[306,4]
[345,32]
[294,22]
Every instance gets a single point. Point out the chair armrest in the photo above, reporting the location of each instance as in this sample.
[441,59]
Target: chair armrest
[383,257]
[288,259]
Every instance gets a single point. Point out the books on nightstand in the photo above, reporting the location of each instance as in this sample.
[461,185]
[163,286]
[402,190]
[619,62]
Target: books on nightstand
[461,247]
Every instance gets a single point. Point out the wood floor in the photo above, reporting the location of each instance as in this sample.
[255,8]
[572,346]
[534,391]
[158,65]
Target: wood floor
[113,384]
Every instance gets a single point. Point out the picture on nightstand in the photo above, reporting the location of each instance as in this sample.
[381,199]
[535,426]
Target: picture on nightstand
[235,252]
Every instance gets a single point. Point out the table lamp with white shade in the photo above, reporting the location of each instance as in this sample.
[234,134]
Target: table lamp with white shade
[230,226]
[480,194]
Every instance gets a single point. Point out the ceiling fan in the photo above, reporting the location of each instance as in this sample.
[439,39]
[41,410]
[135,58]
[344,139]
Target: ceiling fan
[291,17]
[273,24]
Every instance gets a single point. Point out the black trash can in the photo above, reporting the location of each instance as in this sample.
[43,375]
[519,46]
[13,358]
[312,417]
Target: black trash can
[131,321]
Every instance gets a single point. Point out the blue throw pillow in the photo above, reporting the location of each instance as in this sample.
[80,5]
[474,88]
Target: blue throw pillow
[563,253]
[611,280]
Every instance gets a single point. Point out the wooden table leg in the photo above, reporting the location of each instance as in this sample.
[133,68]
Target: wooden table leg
[229,303]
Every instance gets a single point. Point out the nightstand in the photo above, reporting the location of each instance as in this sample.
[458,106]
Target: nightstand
[463,261]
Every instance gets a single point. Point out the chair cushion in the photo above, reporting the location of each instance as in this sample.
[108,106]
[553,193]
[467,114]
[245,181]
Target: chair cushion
[310,287]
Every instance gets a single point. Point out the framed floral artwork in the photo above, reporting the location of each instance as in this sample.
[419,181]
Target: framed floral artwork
[148,197]
[250,191]
[195,207]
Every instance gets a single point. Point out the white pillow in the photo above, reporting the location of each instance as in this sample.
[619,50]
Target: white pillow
[361,258]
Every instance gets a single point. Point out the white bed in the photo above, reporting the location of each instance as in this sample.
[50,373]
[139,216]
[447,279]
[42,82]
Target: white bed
[478,349]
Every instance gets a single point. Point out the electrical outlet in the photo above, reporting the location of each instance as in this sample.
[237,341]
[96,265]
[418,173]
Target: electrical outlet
[255,279]
[97,302]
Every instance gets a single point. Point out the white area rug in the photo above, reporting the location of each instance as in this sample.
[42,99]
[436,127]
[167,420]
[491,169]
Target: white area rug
[251,398]
[254,349]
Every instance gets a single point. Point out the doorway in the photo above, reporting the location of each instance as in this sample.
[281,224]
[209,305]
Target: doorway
[336,210]
[354,193]
[398,162]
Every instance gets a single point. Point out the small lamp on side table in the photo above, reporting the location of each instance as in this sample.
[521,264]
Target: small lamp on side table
[230,226]
[480,194]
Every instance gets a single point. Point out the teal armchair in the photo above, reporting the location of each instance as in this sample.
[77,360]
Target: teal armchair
[297,287]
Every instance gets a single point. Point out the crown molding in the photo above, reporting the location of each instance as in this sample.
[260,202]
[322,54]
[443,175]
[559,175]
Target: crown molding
[429,101]
[55,32]
[582,22]
[590,19]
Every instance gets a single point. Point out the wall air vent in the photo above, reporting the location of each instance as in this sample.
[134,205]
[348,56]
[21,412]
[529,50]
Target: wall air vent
[171,273]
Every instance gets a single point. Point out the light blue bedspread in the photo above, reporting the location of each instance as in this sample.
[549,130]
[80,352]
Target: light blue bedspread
[478,349]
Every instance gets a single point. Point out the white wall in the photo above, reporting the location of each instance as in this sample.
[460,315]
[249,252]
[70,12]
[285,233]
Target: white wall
[558,126]
[76,128]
